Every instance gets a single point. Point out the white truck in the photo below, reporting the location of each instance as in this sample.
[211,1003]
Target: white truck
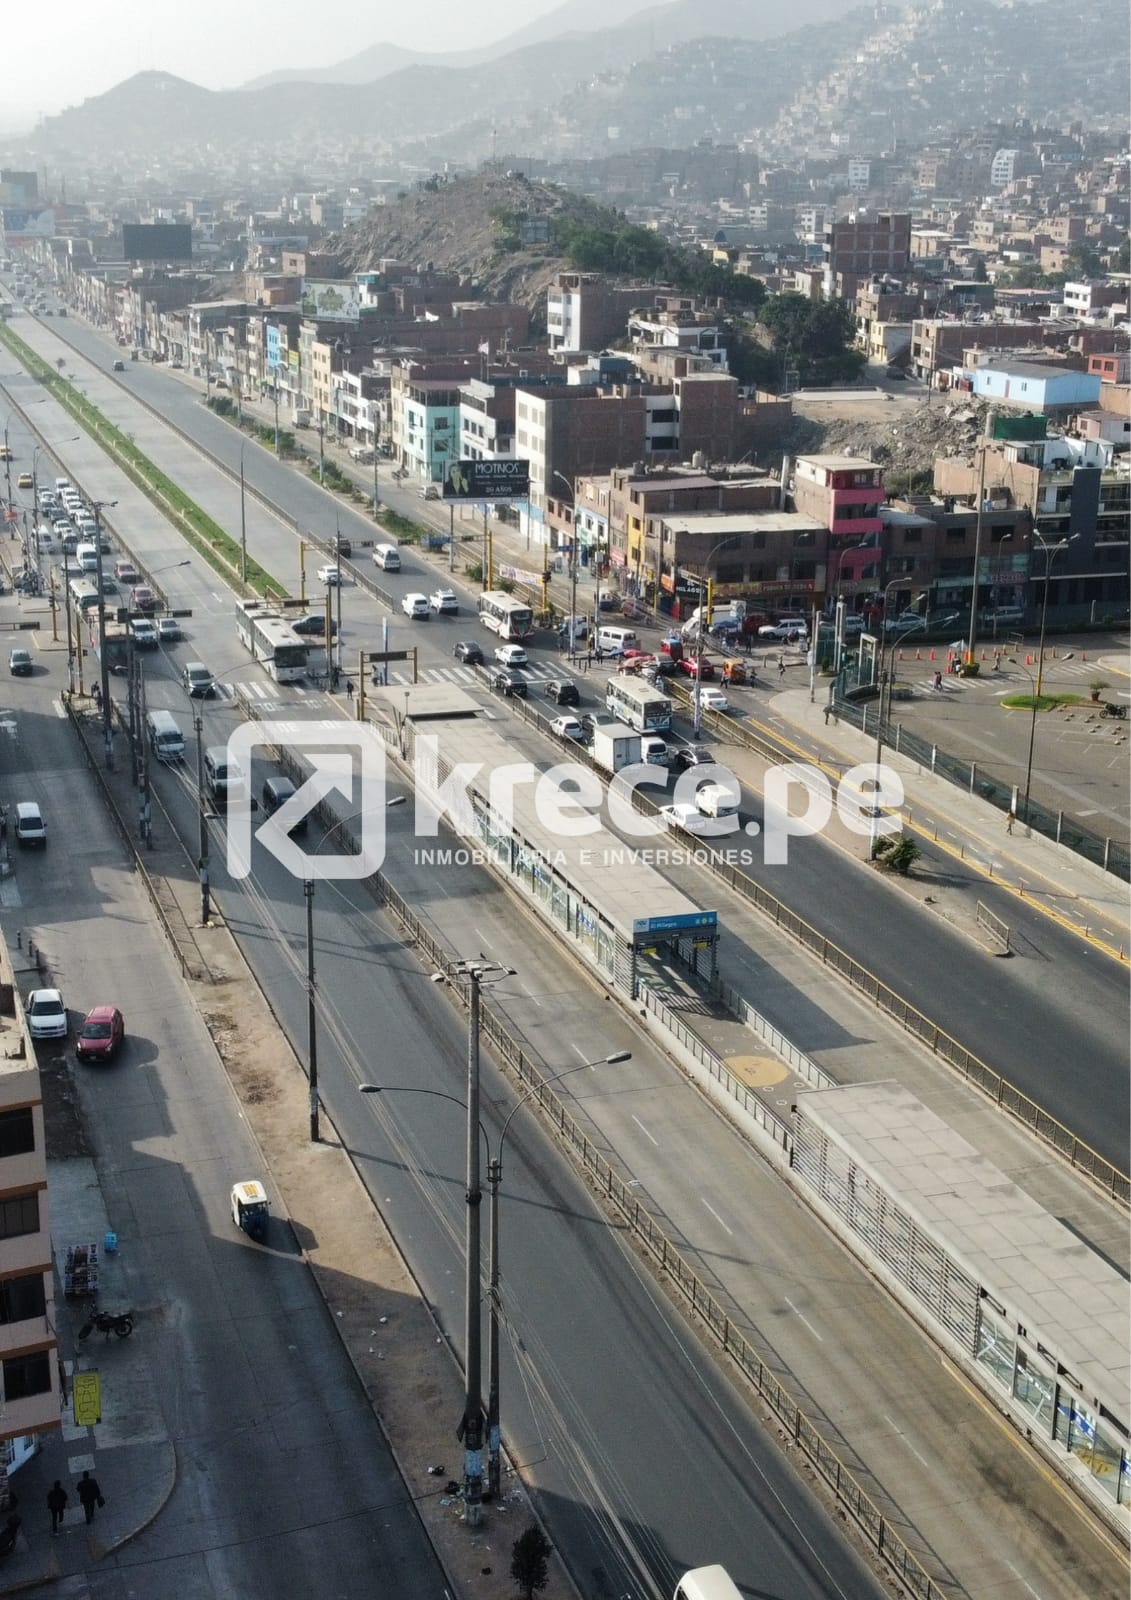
[615,746]
[717,800]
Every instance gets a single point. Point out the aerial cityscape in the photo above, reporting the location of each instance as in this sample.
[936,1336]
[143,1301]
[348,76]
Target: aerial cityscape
[565,816]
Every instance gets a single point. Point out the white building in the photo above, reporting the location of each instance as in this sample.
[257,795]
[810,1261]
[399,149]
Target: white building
[1001,168]
[859,174]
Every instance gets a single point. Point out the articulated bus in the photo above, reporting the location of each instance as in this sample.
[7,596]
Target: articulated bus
[707,1583]
[637,703]
[510,618]
[271,640]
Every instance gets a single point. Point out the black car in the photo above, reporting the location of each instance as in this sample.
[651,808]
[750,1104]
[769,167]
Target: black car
[119,366]
[692,755]
[507,682]
[562,692]
[468,651]
[314,622]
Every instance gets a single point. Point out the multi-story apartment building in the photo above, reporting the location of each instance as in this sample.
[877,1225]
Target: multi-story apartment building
[866,244]
[843,493]
[584,312]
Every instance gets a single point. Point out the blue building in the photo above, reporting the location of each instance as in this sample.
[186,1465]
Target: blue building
[1034,385]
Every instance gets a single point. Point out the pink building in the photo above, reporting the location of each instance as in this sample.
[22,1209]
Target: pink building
[844,493]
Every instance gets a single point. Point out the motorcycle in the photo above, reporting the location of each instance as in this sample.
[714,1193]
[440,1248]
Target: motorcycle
[108,1322]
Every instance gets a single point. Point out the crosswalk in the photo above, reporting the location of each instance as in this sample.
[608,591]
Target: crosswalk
[468,677]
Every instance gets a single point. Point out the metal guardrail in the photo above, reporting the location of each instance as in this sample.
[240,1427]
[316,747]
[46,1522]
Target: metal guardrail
[1110,854]
[995,926]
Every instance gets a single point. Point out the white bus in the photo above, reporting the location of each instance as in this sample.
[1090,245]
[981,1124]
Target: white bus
[707,1583]
[510,618]
[84,594]
[638,703]
[271,640]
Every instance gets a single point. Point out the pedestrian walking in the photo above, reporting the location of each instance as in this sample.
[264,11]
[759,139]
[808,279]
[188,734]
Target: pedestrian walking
[781,667]
[938,679]
[349,688]
[96,695]
[1010,819]
[90,1495]
[57,1498]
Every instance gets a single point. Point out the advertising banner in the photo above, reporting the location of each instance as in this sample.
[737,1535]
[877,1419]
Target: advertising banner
[487,480]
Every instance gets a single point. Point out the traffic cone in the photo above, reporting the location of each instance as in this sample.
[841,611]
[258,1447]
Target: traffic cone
[918,655]
[932,656]
[1083,655]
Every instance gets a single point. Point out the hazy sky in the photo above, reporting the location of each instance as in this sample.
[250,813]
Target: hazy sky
[78,48]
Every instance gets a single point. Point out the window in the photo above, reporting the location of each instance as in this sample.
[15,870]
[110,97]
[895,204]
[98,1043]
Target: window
[912,535]
[21,1298]
[17,1132]
[19,1216]
[27,1375]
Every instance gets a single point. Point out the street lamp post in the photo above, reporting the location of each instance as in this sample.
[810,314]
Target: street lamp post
[982,448]
[243,521]
[494,1180]
[1050,550]
[570,628]
[97,506]
[202,821]
[704,591]
[889,651]
[311,1017]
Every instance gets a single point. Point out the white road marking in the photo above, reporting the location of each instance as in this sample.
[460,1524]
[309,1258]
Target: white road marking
[59,708]
[804,1319]
[10,894]
[899,1433]
[716,1216]
[1028,1585]
[644,1131]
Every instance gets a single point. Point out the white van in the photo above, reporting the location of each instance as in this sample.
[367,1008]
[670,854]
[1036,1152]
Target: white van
[654,750]
[387,556]
[165,737]
[87,557]
[615,641]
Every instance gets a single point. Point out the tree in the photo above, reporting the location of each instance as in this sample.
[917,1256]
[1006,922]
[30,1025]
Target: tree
[1123,257]
[815,336]
[1083,260]
[530,1556]
[896,853]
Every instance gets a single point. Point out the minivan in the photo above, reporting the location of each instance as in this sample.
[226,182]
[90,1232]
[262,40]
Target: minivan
[221,774]
[615,641]
[165,737]
[387,556]
[276,793]
[30,826]
[654,750]
[87,556]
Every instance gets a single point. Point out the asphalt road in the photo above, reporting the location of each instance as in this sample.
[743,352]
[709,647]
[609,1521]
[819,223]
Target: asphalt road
[1023,1025]
[285,1482]
[346,953]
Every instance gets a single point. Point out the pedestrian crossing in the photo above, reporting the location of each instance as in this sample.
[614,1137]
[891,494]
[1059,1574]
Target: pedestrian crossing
[461,676]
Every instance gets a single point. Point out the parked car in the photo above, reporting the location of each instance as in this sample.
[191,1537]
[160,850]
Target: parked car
[563,692]
[853,626]
[101,1034]
[30,826]
[20,664]
[198,681]
[142,598]
[46,1014]
[909,622]
[467,651]
[416,606]
[507,682]
[444,602]
[692,755]
[314,622]
[511,655]
[169,630]
[567,728]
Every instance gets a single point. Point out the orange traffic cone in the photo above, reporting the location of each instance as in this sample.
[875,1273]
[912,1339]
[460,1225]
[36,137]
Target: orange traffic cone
[932,656]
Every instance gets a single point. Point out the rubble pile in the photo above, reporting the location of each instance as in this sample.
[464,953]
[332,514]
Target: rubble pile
[905,444]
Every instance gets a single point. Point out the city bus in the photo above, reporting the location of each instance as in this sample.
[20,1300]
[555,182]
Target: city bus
[508,617]
[271,640]
[84,594]
[707,1583]
[638,703]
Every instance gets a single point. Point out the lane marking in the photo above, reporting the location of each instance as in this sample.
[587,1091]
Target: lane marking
[902,1437]
[644,1130]
[716,1216]
[801,1318]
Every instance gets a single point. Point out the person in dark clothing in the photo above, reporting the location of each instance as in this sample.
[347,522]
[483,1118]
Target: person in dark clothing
[90,1495]
[57,1498]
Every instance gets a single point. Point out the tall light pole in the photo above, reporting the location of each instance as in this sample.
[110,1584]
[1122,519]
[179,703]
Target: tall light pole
[494,1180]
[570,630]
[275,371]
[97,506]
[982,448]
[1050,550]
[884,649]
[311,1017]
[243,521]
[704,592]
[202,821]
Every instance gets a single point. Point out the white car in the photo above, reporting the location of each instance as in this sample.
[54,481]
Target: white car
[684,816]
[786,629]
[144,633]
[444,601]
[511,655]
[46,1014]
[330,575]
[416,607]
[711,699]
[567,728]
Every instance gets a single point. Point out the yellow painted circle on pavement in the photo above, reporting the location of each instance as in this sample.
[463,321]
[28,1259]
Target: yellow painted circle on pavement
[757,1072]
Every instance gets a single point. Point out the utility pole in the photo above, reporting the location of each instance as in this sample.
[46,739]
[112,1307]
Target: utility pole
[202,859]
[376,496]
[311,1016]
[470,1430]
[243,523]
[103,654]
[145,811]
[321,447]
[983,447]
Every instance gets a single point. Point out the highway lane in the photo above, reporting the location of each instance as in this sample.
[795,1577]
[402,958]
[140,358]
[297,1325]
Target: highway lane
[285,1485]
[588,1337]
[834,1337]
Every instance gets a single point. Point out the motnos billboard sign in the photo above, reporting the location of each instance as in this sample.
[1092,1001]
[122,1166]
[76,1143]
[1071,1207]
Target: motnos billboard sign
[487,480]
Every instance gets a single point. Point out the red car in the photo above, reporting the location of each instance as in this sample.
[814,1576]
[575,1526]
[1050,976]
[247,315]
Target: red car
[101,1033]
[696,669]
[143,599]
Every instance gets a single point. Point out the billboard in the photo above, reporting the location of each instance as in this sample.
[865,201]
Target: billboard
[157,241]
[487,480]
[19,225]
[332,302]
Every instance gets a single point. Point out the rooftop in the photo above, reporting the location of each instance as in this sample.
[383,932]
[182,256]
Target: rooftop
[725,523]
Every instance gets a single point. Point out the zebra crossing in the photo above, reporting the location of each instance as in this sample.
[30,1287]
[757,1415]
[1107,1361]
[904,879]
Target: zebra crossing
[466,677]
